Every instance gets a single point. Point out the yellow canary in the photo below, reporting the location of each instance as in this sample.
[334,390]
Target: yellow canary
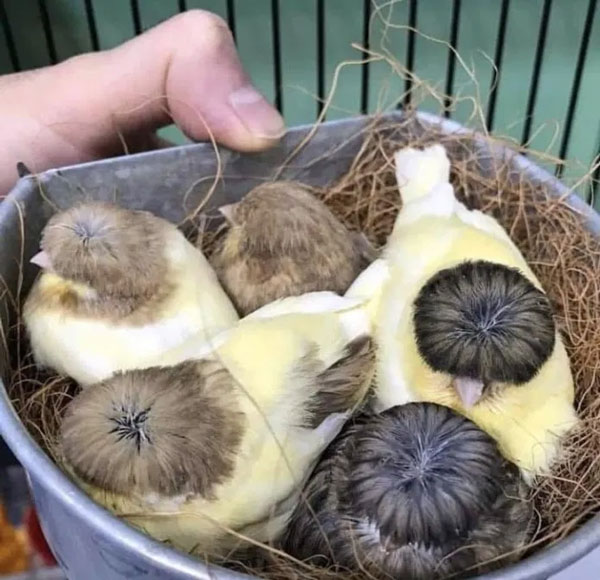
[224,442]
[461,320]
[118,288]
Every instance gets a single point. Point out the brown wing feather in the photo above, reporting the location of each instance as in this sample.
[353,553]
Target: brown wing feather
[344,385]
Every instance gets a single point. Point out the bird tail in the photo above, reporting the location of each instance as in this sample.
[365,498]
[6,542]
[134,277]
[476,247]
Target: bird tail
[418,172]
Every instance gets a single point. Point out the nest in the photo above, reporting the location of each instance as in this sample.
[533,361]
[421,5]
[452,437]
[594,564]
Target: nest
[552,237]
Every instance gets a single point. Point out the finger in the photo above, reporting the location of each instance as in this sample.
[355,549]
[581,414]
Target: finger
[185,69]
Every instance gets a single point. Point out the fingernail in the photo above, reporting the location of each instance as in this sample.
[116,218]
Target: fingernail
[256,113]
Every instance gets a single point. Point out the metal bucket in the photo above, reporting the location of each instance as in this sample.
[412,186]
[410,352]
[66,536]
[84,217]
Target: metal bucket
[88,542]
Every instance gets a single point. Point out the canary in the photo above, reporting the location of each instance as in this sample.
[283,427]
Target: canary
[118,288]
[208,450]
[282,241]
[461,320]
[418,492]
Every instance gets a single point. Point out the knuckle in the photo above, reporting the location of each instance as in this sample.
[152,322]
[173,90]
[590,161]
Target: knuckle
[208,27]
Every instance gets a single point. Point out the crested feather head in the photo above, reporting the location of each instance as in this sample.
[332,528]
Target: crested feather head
[484,321]
[283,241]
[417,492]
[424,474]
[169,431]
[116,252]
[285,217]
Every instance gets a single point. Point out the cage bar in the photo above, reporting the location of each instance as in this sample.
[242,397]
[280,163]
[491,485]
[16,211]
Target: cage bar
[454,30]
[231,16]
[537,67]
[410,51]
[136,17]
[49,36]
[276,54]
[92,26]
[364,83]
[574,96]
[592,195]
[498,56]
[10,39]
[320,55]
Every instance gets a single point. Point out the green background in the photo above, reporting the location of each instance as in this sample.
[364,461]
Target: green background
[478,28]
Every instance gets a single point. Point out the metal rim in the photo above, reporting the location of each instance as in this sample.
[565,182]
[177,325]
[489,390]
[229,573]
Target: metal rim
[540,565]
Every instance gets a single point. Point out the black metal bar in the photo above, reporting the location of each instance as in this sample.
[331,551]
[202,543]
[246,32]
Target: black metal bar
[454,28]
[48,31]
[581,57]
[136,17]
[10,39]
[537,67]
[91,19]
[231,16]
[182,5]
[593,189]
[410,50]
[364,97]
[276,53]
[498,56]
[320,55]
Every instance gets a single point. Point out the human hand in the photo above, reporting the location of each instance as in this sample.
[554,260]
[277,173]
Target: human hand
[185,70]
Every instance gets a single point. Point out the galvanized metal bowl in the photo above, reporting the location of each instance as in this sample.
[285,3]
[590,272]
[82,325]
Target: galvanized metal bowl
[87,540]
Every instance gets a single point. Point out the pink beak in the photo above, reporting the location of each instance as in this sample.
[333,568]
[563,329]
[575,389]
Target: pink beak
[42,260]
[469,390]
[227,211]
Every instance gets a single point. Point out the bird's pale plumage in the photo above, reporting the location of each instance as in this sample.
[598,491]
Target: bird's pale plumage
[288,379]
[283,241]
[417,492]
[120,287]
[434,232]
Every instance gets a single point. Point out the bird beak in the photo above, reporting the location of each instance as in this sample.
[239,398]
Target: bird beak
[227,211]
[42,260]
[469,390]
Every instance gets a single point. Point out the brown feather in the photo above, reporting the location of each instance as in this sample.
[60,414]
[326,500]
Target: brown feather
[116,252]
[344,385]
[169,431]
[284,242]
[417,492]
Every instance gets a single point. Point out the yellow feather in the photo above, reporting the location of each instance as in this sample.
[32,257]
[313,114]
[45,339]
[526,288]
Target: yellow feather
[437,232]
[265,355]
[90,349]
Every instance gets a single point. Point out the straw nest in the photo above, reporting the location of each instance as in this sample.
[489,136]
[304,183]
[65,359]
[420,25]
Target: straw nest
[553,239]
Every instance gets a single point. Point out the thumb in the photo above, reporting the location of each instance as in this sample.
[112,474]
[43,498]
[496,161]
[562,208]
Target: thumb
[185,70]
[190,66]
